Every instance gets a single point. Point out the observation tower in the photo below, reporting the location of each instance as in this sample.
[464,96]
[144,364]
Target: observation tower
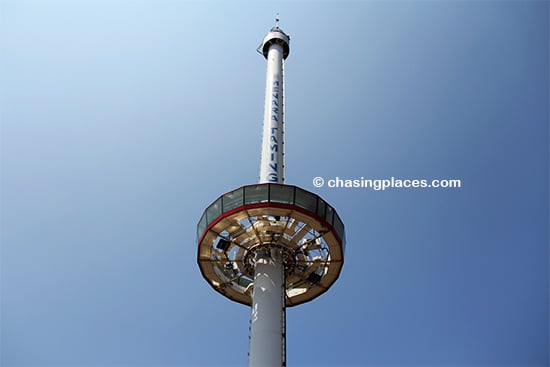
[270,245]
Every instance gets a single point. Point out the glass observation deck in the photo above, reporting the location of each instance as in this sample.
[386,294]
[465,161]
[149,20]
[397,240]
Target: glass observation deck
[272,193]
[306,229]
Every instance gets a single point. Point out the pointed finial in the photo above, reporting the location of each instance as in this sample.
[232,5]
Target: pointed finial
[277,21]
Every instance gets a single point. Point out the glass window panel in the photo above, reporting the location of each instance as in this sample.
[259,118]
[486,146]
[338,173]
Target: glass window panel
[214,211]
[329,214]
[281,194]
[232,200]
[306,200]
[339,227]
[321,206]
[201,226]
[255,194]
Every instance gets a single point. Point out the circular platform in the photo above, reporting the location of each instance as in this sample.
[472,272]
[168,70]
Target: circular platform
[306,229]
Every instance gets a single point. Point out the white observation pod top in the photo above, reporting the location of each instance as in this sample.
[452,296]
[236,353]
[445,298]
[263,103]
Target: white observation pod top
[276,36]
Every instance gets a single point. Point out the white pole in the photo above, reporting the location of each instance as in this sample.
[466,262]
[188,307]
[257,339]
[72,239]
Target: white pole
[267,321]
[272,164]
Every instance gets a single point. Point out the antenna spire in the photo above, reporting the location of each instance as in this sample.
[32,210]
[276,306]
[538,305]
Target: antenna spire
[277,21]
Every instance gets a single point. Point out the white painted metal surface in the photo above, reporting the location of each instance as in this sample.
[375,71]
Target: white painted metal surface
[272,159]
[267,320]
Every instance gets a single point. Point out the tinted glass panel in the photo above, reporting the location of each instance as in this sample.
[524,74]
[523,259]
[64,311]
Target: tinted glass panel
[214,211]
[255,194]
[339,227]
[281,194]
[329,214]
[232,200]
[306,200]
[201,226]
[321,206]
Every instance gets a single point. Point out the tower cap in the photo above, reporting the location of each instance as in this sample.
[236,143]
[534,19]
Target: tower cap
[276,36]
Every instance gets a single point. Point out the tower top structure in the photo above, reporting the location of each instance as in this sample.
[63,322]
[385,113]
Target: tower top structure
[276,36]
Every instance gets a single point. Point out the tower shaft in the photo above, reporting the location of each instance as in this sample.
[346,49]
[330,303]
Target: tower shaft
[272,160]
[267,322]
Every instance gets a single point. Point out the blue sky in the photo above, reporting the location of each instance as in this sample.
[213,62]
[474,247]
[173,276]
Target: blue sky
[121,121]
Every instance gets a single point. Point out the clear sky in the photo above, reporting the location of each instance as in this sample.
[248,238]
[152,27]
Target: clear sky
[121,121]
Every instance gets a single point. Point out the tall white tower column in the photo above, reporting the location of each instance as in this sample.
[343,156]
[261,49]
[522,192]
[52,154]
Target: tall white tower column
[267,341]
[267,322]
[275,48]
